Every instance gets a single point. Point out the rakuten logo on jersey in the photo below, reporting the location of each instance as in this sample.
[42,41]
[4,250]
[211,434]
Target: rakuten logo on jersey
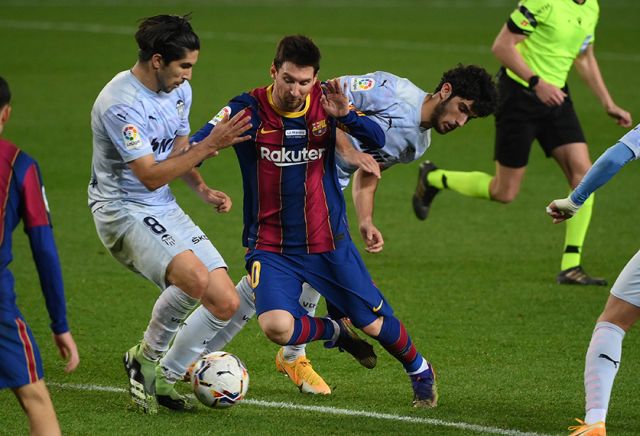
[285,158]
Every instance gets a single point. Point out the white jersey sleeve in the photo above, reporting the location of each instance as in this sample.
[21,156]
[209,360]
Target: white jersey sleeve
[124,126]
[395,103]
[632,140]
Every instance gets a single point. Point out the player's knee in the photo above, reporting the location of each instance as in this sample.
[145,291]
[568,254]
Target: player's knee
[277,329]
[504,196]
[374,328]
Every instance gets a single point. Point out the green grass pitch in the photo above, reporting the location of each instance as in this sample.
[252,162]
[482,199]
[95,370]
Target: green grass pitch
[474,283]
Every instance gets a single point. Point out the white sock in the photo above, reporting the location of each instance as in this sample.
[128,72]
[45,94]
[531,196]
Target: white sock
[601,366]
[245,312]
[171,308]
[197,330]
[309,299]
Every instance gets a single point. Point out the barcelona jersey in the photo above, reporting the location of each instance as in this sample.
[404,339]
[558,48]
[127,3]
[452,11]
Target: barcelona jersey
[293,203]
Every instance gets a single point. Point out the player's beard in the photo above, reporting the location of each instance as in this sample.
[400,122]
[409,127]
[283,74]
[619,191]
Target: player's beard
[437,117]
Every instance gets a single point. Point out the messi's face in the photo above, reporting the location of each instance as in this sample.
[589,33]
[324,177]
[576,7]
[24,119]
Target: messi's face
[291,85]
[450,114]
[173,74]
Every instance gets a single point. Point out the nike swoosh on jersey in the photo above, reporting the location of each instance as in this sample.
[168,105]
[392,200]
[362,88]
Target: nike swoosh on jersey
[266,132]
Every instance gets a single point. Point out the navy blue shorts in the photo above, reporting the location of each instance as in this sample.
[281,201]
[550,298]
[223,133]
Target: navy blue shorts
[20,363]
[339,275]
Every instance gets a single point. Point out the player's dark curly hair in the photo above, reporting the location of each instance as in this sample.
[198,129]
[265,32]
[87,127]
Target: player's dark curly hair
[472,82]
[299,50]
[5,93]
[168,35]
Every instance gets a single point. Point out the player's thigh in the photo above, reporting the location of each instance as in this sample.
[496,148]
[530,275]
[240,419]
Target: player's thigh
[21,363]
[276,282]
[342,278]
[220,290]
[627,285]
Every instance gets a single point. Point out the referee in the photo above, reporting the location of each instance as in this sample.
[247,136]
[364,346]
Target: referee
[537,46]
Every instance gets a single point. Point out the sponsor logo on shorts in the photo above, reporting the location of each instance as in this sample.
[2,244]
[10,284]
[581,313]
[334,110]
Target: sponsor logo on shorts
[362,84]
[220,115]
[285,158]
[132,139]
[197,239]
[168,239]
[319,128]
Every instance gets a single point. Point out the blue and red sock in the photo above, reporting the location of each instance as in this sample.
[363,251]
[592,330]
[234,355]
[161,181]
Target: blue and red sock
[395,339]
[308,329]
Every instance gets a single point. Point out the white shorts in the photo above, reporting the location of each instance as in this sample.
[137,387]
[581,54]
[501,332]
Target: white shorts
[627,285]
[145,238]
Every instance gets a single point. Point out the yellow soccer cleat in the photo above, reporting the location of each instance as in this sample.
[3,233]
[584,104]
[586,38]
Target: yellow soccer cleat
[585,429]
[302,374]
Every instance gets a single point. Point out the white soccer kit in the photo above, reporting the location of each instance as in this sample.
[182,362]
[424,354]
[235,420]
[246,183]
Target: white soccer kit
[143,229]
[627,285]
[395,104]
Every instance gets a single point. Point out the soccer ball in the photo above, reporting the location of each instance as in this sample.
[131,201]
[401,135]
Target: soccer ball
[220,379]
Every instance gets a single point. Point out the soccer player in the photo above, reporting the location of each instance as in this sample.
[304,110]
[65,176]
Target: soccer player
[22,197]
[623,306]
[140,125]
[407,114]
[295,216]
[537,46]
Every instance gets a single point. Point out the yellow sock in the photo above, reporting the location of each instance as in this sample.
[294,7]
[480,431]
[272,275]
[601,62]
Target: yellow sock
[575,233]
[471,183]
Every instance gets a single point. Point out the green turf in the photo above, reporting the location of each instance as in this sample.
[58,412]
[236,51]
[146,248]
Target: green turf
[474,284]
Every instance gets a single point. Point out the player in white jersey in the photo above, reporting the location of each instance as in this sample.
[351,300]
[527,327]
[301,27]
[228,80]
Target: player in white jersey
[622,310]
[140,143]
[406,114]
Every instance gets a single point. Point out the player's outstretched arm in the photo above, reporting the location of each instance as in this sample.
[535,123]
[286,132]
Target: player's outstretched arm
[600,173]
[218,199]
[68,350]
[354,158]
[228,131]
[588,68]
[363,193]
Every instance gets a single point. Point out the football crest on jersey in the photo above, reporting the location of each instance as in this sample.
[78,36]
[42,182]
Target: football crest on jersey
[319,128]
[362,84]
[180,108]
[131,137]
[220,115]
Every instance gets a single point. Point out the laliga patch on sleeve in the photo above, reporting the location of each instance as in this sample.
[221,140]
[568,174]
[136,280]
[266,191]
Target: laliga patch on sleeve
[131,136]
[220,115]
[362,84]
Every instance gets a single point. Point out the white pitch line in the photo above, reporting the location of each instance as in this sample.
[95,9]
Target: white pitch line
[271,39]
[333,411]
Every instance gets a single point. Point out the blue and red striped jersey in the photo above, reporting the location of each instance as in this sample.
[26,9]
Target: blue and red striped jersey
[292,198]
[22,197]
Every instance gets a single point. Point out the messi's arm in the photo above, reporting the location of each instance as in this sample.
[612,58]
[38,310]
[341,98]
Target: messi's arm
[336,104]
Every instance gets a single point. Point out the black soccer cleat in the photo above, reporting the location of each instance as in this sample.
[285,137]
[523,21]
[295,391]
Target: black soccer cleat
[349,341]
[424,193]
[578,276]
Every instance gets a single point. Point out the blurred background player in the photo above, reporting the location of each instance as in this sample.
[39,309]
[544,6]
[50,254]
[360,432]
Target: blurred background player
[140,118]
[295,216]
[623,306]
[406,114]
[537,46]
[22,197]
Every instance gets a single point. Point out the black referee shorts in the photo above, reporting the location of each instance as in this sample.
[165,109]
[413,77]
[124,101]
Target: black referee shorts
[521,117]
